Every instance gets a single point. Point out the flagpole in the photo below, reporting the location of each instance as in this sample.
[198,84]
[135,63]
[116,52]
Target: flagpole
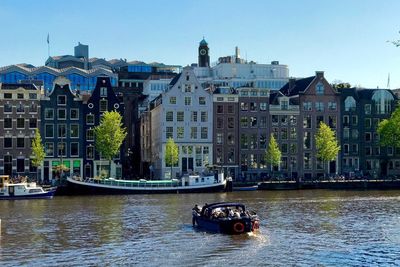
[48,45]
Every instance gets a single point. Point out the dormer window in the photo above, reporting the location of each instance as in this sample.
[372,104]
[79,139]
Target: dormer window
[319,89]
[103,91]
[284,104]
[62,100]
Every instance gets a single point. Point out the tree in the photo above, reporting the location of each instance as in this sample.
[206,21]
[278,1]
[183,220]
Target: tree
[326,143]
[109,135]
[171,153]
[396,42]
[38,153]
[389,130]
[273,154]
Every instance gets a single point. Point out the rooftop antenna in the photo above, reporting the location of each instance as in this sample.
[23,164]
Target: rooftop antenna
[388,81]
[48,44]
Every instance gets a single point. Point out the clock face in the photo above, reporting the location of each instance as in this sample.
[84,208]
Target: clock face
[203,52]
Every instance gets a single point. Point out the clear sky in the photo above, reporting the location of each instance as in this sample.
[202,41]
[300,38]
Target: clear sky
[345,38]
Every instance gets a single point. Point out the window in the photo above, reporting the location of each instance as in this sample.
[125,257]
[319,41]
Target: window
[230,109]
[263,106]
[307,140]
[61,149]
[180,133]
[49,130]
[103,105]
[90,119]
[172,100]
[169,132]
[263,141]
[188,88]
[188,101]
[355,148]
[349,104]
[48,113]
[74,130]
[275,119]
[180,116]
[368,137]
[346,120]
[204,133]
[220,109]
[49,149]
[20,123]
[307,122]
[293,133]
[193,133]
[7,123]
[253,122]
[293,120]
[74,148]
[284,104]
[319,89]
[382,101]
[244,141]
[307,106]
[367,109]
[89,134]
[319,106]
[231,139]
[284,119]
[103,91]
[20,96]
[32,96]
[20,142]
[284,133]
[220,138]
[7,108]
[263,122]
[90,152]
[231,155]
[20,108]
[20,165]
[7,96]
[74,114]
[231,123]
[244,122]
[204,116]
[284,148]
[346,149]
[220,99]
[332,105]
[61,114]
[32,123]
[220,122]
[307,161]
[193,116]
[169,116]
[253,106]
[62,100]
[8,142]
[367,123]
[244,106]
[202,100]
[319,119]
[62,130]
[354,120]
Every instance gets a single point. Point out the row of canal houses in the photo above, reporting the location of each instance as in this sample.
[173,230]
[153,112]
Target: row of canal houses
[232,128]
[212,126]
[66,120]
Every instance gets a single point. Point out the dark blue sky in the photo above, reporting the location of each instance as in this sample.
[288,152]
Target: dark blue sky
[346,39]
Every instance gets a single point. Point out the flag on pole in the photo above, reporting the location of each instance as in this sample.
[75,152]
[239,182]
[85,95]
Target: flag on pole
[48,38]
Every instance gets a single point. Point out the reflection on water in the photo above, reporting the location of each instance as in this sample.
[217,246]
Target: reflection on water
[299,228]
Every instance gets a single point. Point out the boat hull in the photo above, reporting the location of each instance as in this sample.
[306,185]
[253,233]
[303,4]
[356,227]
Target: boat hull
[84,188]
[45,195]
[235,226]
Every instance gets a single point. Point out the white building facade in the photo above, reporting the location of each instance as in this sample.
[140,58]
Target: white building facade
[183,113]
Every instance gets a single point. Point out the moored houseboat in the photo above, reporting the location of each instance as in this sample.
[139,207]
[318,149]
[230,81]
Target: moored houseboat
[191,183]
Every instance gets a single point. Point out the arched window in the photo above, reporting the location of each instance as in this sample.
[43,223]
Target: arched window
[319,89]
[349,104]
[382,101]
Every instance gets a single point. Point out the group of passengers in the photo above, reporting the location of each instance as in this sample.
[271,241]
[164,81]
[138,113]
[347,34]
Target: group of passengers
[222,212]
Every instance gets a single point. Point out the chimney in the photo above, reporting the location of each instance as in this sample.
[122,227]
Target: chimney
[319,74]
[292,82]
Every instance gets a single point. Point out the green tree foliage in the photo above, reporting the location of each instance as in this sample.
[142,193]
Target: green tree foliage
[109,135]
[389,130]
[171,153]
[326,143]
[273,154]
[38,153]
[341,85]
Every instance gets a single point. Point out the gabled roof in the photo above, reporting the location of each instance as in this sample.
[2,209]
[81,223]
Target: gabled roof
[175,79]
[299,85]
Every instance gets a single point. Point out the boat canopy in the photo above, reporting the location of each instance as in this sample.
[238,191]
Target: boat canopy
[222,205]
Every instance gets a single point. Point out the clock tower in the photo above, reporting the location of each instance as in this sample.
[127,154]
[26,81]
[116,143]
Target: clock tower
[204,57]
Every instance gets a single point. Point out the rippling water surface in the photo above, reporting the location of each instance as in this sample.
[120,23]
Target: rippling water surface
[298,228]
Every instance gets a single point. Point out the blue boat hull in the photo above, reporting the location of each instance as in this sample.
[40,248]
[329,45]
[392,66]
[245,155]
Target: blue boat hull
[46,195]
[224,226]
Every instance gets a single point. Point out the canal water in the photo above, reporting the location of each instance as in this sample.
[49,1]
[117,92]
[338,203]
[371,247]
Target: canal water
[298,228]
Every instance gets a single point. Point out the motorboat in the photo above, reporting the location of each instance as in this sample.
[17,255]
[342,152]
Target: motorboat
[225,217]
[22,189]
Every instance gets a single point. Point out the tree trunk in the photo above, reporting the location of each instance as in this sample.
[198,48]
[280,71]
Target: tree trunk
[109,170]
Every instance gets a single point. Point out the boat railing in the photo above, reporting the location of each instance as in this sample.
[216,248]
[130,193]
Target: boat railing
[138,184]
